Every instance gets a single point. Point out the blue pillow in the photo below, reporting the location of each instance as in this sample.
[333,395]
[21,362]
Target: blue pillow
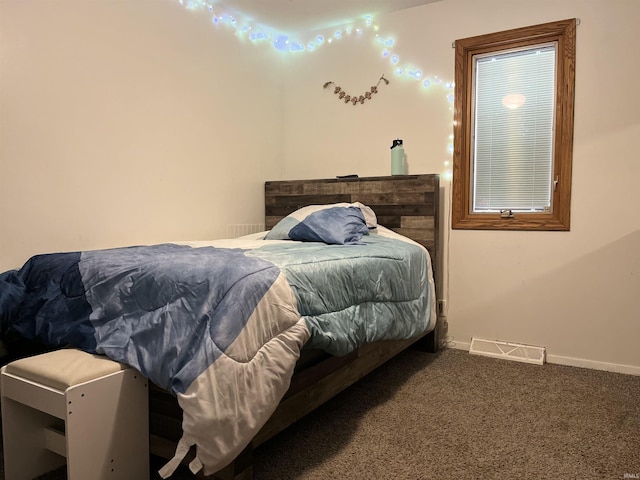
[336,224]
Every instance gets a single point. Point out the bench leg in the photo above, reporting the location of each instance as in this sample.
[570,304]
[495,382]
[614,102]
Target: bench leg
[107,428]
[23,430]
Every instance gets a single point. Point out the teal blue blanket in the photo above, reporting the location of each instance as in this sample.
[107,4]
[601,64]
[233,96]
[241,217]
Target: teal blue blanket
[350,295]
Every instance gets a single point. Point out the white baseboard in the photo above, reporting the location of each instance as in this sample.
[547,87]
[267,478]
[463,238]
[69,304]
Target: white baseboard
[569,361]
[594,365]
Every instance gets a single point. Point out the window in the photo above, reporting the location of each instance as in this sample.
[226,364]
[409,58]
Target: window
[513,129]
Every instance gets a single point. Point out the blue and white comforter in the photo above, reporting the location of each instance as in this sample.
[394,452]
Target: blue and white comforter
[222,324]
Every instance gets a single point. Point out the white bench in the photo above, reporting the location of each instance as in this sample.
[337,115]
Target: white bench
[74,407]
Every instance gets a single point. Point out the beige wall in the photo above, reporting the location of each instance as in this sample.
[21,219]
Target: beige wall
[122,123]
[126,122]
[574,292]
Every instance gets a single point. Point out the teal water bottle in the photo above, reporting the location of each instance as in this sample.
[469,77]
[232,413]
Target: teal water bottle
[397,158]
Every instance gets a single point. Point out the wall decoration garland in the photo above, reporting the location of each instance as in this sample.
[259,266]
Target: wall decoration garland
[342,95]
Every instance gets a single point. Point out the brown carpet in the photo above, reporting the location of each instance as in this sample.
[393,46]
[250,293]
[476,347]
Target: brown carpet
[459,416]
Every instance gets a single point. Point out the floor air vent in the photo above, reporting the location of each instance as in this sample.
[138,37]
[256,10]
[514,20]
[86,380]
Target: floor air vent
[507,350]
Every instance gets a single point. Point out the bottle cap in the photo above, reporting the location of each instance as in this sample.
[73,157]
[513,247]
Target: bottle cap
[397,142]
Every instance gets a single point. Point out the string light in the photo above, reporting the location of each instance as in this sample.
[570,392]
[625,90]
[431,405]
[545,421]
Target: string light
[282,41]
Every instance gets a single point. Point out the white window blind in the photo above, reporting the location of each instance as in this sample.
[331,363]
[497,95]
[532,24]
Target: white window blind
[513,130]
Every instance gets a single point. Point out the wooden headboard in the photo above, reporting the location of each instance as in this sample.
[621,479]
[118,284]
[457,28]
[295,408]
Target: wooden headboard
[407,204]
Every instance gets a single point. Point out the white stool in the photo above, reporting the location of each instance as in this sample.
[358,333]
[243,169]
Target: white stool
[74,405]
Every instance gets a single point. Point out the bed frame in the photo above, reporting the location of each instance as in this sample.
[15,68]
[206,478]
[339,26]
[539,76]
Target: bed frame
[407,204]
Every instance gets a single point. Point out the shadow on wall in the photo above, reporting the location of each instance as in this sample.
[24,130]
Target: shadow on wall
[588,308]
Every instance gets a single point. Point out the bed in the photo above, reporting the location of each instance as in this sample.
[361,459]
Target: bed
[303,359]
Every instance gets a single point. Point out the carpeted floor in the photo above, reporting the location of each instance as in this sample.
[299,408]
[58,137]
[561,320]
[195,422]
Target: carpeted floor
[458,416]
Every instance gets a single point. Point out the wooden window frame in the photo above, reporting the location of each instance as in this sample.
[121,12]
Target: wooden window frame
[564,33]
